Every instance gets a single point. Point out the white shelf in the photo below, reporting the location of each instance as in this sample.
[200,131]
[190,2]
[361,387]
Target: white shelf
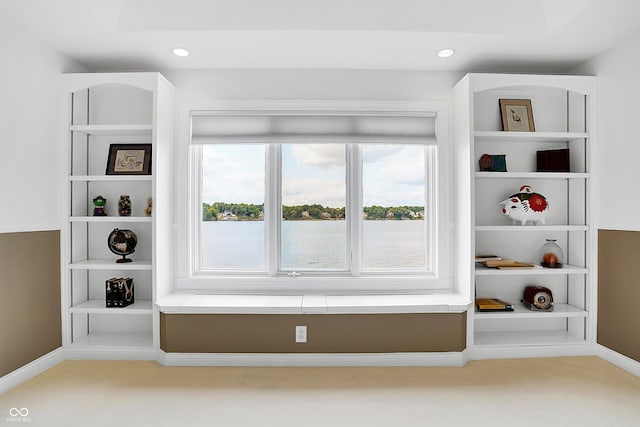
[127,108]
[98,307]
[111,178]
[110,264]
[559,103]
[533,228]
[110,219]
[532,175]
[537,271]
[110,341]
[521,338]
[521,312]
[495,136]
[112,130]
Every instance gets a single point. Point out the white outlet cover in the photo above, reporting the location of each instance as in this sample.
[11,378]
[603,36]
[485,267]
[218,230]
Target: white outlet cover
[301,334]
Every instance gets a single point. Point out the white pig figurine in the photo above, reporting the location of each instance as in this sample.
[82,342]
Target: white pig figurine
[525,206]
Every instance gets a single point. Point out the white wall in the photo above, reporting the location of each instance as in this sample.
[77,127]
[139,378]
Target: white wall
[30,128]
[617,152]
[313,84]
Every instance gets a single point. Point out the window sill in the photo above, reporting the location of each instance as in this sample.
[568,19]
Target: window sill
[190,303]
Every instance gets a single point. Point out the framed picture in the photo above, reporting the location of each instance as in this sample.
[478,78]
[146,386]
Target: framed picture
[129,159]
[517,115]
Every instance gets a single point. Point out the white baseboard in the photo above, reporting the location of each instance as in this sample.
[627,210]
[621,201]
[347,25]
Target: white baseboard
[520,352]
[313,359]
[105,353]
[619,360]
[30,370]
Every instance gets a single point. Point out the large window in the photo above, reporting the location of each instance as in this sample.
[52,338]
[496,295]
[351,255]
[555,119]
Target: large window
[394,234]
[232,227]
[286,196]
[314,226]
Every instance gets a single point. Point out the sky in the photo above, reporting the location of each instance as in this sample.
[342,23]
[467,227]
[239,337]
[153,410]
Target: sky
[393,175]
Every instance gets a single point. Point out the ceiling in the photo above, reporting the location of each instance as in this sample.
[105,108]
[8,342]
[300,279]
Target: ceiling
[488,35]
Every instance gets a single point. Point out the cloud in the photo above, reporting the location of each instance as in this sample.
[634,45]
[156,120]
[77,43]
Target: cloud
[393,175]
[314,173]
[322,155]
[325,192]
[233,174]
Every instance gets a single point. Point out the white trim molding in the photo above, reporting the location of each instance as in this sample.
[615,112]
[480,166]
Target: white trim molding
[533,351]
[30,370]
[620,360]
[107,353]
[313,359]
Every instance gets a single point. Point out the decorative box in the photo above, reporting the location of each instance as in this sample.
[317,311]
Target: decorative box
[553,160]
[119,292]
[493,163]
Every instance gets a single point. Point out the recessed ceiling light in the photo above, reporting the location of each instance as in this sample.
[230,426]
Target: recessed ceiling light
[178,51]
[445,53]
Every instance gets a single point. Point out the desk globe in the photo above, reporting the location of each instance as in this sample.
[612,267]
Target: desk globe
[123,243]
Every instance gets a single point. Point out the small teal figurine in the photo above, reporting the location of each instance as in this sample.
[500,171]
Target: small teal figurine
[99,203]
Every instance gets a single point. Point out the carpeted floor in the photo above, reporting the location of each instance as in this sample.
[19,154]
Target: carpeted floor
[575,391]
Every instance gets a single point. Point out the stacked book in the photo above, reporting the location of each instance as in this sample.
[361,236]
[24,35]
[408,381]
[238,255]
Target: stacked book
[493,261]
[119,292]
[493,304]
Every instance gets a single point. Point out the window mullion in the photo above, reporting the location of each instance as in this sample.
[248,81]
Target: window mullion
[195,190]
[431,235]
[354,207]
[272,208]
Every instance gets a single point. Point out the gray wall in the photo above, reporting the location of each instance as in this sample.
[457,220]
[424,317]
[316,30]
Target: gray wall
[345,333]
[30,324]
[619,291]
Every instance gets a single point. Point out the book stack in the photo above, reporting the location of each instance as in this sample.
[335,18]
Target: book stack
[493,304]
[493,261]
[119,292]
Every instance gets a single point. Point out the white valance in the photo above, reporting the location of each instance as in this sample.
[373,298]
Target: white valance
[213,127]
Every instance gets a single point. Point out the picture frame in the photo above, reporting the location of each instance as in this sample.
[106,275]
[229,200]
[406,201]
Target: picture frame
[517,115]
[129,159]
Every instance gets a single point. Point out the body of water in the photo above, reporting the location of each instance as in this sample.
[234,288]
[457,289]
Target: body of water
[313,245]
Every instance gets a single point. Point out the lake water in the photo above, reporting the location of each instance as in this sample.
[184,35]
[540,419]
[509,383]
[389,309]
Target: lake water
[313,244]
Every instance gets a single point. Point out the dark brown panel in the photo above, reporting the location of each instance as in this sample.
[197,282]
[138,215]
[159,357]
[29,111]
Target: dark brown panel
[619,291]
[30,303]
[344,333]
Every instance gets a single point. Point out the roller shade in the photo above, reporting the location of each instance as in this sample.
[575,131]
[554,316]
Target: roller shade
[316,127]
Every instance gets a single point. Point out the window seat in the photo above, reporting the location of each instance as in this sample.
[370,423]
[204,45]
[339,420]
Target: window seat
[191,303]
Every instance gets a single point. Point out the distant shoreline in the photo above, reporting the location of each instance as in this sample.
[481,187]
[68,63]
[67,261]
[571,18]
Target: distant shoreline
[222,211]
[315,219]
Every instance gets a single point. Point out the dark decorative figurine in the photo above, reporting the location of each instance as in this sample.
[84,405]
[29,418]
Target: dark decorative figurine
[124,205]
[99,203]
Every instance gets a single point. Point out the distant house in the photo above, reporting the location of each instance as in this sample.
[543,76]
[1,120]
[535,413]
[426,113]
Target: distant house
[228,216]
[305,214]
[325,215]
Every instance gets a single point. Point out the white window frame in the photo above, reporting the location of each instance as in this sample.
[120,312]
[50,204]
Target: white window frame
[275,282]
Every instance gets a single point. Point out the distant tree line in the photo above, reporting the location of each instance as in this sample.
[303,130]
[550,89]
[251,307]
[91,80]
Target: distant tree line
[244,211]
[393,212]
[252,212]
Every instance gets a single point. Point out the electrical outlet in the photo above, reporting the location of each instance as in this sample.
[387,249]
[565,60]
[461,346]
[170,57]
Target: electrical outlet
[301,334]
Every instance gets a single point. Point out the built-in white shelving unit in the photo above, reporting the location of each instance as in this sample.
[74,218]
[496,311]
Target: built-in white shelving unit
[562,109]
[104,109]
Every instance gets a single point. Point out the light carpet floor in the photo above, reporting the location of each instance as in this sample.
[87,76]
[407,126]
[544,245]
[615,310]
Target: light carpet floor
[572,391]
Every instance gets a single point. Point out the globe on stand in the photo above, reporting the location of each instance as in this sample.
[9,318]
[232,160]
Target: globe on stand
[123,243]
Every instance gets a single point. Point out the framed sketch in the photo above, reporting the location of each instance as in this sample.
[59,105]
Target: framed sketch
[517,115]
[129,159]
